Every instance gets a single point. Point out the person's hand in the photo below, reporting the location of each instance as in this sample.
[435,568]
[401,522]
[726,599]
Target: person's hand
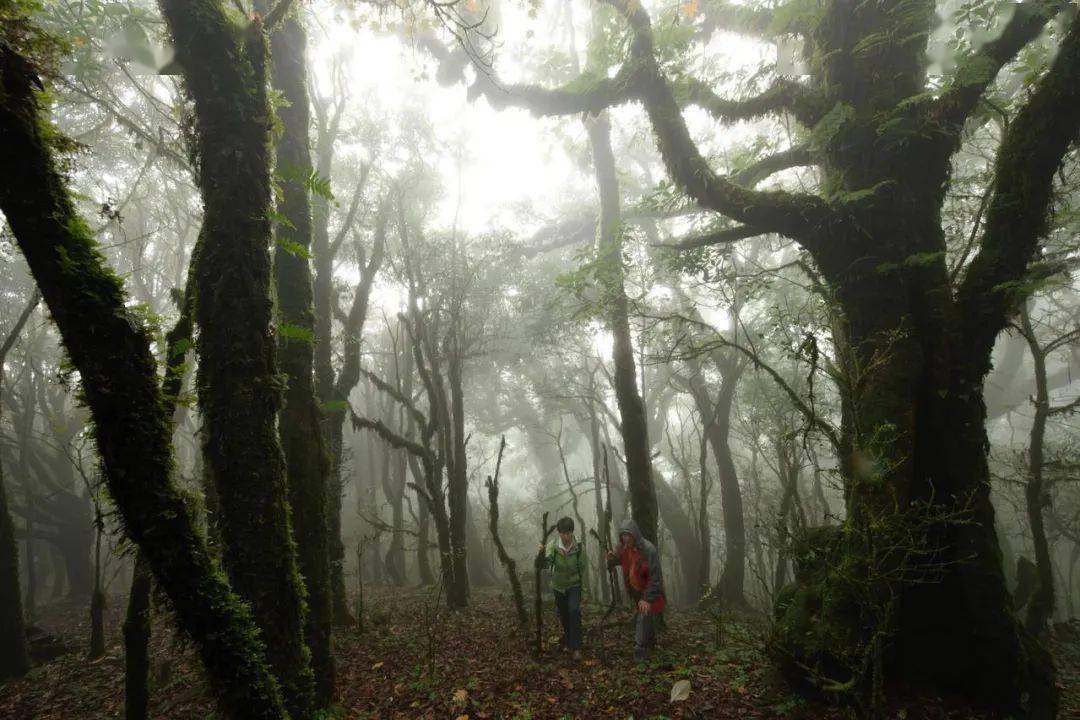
[610,555]
[643,607]
[541,547]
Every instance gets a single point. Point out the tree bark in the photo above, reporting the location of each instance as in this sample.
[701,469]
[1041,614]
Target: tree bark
[137,642]
[299,420]
[111,350]
[15,660]
[631,407]
[1040,608]
[716,416]
[239,388]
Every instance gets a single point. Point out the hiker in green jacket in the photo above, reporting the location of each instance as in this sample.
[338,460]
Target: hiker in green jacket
[570,582]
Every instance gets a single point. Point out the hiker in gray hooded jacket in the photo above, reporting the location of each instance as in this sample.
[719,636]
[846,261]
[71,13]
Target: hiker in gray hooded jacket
[644,580]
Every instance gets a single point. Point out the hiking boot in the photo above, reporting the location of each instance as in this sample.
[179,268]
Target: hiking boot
[577,656]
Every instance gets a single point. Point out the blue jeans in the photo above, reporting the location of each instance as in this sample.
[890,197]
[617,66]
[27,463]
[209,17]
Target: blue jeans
[569,606]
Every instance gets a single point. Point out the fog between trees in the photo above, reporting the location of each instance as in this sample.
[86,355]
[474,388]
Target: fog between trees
[792,285]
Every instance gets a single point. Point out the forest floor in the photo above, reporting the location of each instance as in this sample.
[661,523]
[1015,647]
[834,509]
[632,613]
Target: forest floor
[415,660]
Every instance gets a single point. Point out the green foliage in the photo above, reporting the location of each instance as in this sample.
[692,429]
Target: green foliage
[334,406]
[596,277]
[309,179]
[831,125]
[182,346]
[294,248]
[295,332]
[279,218]
[795,16]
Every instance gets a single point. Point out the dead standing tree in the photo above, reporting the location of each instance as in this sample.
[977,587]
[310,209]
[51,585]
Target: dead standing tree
[504,557]
[538,564]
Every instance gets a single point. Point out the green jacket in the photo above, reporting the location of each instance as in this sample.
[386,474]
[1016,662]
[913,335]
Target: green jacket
[568,569]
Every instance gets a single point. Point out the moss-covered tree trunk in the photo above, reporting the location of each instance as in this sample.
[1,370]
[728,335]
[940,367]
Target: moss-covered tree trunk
[239,388]
[323,252]
[300,421]
[111,350]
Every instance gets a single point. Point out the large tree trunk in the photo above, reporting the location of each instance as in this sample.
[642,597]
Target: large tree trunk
[915,349]
[300,422]
[239,388]
[111,351]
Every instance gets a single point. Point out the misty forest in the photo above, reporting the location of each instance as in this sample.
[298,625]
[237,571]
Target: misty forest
[539,359]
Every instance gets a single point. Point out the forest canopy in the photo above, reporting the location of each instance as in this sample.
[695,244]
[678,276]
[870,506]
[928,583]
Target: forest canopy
[317,315]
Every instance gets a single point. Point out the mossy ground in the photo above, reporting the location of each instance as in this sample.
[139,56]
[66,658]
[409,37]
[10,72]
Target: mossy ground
[476,668]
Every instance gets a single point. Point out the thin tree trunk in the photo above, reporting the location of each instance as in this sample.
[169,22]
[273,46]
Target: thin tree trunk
[97,598]
[704,525]
[1040,608]
[15,659]
[631,407]
[504,557]
[716,416]
[137,642]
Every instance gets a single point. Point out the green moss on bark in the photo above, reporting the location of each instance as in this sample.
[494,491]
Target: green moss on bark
[111,350]
[239,386]
[307,463]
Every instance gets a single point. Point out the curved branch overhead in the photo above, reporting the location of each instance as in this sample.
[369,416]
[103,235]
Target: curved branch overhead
[1018,217]
[979,70]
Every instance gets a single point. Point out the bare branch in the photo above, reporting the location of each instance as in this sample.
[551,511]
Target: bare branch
[350,216]
[395,440]
[16,329]
[399,397]
[716,237]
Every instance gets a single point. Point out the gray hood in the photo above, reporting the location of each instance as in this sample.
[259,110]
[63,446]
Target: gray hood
[656,574]
[629,526]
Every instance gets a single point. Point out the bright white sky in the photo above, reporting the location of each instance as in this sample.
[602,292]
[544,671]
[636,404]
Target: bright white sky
[512,160]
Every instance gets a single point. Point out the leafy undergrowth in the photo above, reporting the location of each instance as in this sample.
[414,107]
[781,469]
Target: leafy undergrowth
[416,660]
